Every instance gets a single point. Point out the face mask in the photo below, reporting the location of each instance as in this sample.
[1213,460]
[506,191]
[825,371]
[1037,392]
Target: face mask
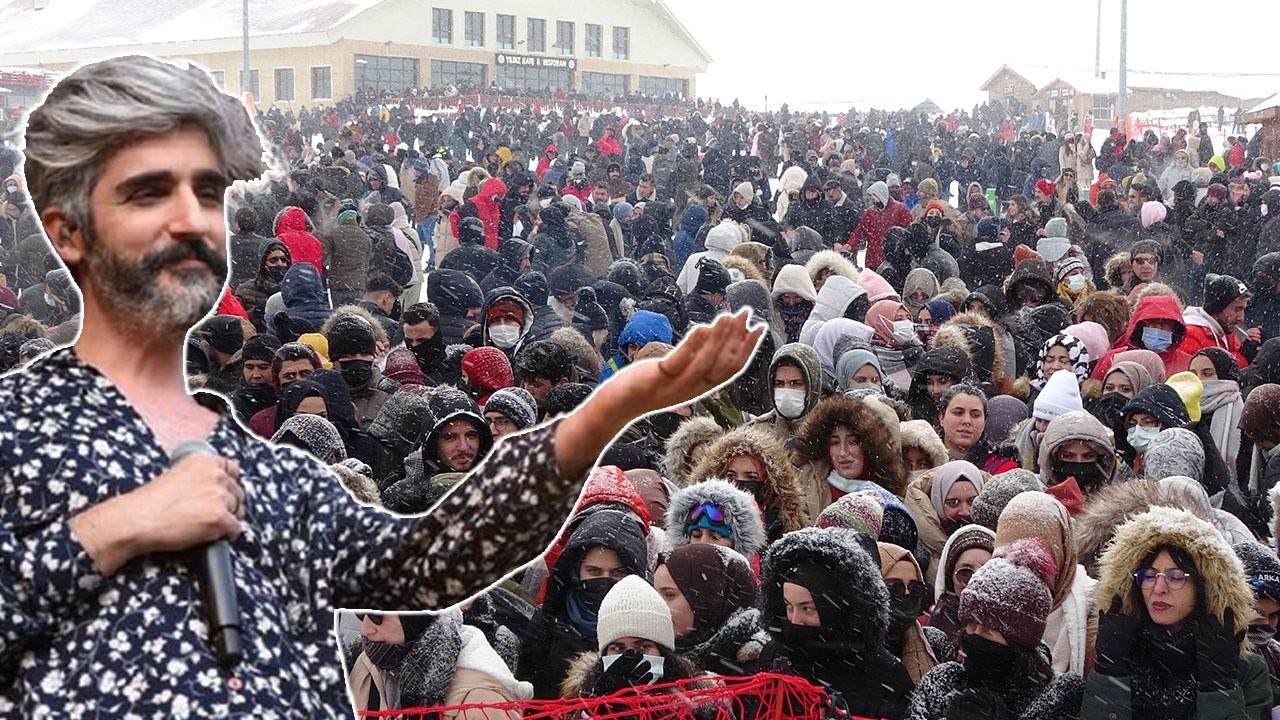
[904,611]
[879,205]
[386,656]
[1267,455]
[655,665]
[591,592]
[1156,340]
[449,206]
[1087,474]
[50,301]
[790,403]
[429,354]
[805,643]
[1260,635]
[1076,283]
[504,336]
[915,475]
[932,221]
[276,273]
[925,331]
[396,309]
[544,202]
[357,373]
[986,663]
[904,331]
[1140,437]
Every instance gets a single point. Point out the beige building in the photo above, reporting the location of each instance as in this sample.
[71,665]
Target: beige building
[308,52]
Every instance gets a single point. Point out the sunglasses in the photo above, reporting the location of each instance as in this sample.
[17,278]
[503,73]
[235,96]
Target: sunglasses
[375,618]
[913,589]
[1145,261]
[713,512]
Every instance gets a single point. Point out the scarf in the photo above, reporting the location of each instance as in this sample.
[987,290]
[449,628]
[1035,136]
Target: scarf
[1222,404]
[845,485]
[1164,683]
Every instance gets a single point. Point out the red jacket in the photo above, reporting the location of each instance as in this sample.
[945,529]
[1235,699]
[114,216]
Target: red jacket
[873,226]
[1204,331]
[1152,307]
[291,229]
[487,209]
[608,145]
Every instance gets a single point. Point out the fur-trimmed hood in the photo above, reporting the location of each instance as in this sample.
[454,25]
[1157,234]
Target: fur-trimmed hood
[688,435]
[835,297]
[741,514]
[1112,506]
[831,261]
[919,434]
[1220,576]
[741,268]
[586,668]
[379,332]
[781,486]
[875,426]
[956,333]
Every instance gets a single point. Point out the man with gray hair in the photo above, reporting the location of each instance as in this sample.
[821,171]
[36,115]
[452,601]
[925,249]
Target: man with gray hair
[128,161]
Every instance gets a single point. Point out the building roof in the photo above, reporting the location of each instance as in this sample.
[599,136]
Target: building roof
[1273,101]
[1038,77]
[79,24]
[1245,87]
[670,18]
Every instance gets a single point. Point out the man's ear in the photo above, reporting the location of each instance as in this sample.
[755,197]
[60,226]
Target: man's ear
[66,236]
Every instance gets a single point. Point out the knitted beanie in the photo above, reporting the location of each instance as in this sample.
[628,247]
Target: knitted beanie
[1011,595]
[1053,248]
[997,493]
[224,333]
[516,404]
[1061,394]
[632,608]
[1220,291]
[1065,266]
[862,511]
[350,335]
[1262,568]
[1261,417]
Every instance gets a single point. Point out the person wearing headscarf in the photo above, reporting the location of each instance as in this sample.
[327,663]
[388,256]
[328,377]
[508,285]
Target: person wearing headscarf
[793,298]
[1003,674]
[941,501]
[916,647]
[1174,607]
[895,341]
[938,369]
[920,287]
[1068,630]
[1221,403]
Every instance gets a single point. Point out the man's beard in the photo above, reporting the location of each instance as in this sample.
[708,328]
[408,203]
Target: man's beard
[131,290]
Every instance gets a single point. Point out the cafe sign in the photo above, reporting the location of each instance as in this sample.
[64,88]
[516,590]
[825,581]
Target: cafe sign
[538,61]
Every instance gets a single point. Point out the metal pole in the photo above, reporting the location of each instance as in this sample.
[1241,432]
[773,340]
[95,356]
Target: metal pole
[1097,45]
[1122,103]
[244,72]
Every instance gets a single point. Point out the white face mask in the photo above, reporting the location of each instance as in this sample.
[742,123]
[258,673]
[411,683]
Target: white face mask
[504,336]
[544,202]
[790,403]
[1076,283]
[904,331]
[656,665]
[1140,437]
[915,475]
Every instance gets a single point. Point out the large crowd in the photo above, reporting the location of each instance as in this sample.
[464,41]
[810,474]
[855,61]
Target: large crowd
[1005,451]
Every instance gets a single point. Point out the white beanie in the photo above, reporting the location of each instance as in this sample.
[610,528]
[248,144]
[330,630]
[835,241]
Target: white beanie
[1061,394]
[746,190]
[632,608]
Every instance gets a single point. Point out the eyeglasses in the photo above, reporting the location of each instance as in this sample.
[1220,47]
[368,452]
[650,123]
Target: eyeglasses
[913,589]
[375,618]
[1175,579]
[713,512]
[1145,261]
[965,574]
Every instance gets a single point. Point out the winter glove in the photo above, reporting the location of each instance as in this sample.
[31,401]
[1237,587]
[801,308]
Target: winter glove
[629,670]
[976,705]
[1117,633]
[1218,652]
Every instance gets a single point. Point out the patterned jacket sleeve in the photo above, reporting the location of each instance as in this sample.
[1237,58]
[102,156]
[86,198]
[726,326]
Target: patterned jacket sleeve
[499,518]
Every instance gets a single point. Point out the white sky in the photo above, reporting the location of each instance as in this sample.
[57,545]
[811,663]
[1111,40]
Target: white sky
[828,54]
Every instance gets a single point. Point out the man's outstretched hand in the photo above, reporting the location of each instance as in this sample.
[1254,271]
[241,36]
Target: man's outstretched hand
[706,359]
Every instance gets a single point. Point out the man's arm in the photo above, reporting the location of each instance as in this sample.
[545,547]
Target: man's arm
[511,508]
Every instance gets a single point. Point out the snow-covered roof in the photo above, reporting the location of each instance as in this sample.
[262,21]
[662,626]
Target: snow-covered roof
[77,24]
[1083,80]
[1273,101]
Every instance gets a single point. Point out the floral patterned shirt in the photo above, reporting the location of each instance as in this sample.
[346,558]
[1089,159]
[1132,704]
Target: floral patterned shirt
[74,643]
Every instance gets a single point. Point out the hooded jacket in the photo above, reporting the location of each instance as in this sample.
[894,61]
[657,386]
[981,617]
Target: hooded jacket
[253,294]
[875,222]
[453,293]
[293,228]
[486,205]
[874,425]
[695,216]
[510,294]
[1220,581]
[347,249]
[304,297]
[830,262]
[854,663]
[834,299]
[1152,307]
[741,515]
[803,357]
[782,504]
[990,347]
[643,328]
[1203,331]
[676,463]
[721,240]
[1070,427]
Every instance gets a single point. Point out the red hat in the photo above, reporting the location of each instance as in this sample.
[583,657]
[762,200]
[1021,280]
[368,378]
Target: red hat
[1045,186]
[936,204]
[1023,252]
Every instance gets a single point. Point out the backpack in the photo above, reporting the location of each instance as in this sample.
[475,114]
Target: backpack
[387,257]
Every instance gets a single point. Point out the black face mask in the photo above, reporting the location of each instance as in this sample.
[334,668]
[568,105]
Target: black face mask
[806,644]
[448,207]
[257,396]
[590,593]
[932,221]
[387,656]
[1087,474]
[986,663]
[950,526]
[276,273]
[357,373]
[904,611]
[429,353]
[396,309]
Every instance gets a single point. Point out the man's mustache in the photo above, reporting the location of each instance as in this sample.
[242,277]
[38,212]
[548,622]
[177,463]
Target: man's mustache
[190,250]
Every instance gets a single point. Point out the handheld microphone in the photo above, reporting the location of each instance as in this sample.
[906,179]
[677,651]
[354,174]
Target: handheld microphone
[217,582]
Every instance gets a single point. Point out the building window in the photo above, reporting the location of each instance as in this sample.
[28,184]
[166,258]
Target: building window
[252,86]
[621,43]
[1104,108]
[564,37]
[441,26]
[474,22]
[537,40]
[322,83]
[219,78]
[676,88]
[597,83]
[284,84]
[379,72]
[595,40]
[463,75]
[506,32]
[525,77]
